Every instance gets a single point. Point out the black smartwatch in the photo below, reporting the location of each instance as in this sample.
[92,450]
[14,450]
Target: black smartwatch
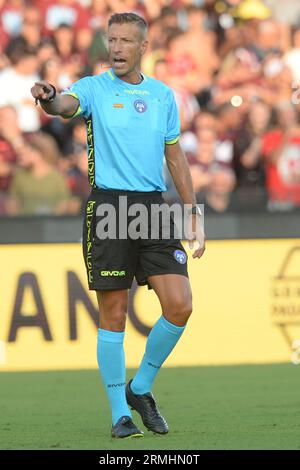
[194,210]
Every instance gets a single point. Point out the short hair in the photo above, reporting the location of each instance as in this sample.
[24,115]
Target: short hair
[46,145]
[120,18]
[17,49]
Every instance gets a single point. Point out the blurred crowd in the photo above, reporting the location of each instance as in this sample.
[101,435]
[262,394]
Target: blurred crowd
[234,66]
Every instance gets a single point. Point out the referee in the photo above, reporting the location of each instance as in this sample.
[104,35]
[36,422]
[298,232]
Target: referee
[132,123]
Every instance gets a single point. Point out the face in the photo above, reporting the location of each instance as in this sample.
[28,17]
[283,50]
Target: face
[46,52]
[27,156]
[99,7]
[259,116]
[231,118]
[32,15]
[126,46]
[287,115]
[64,37]
[205,121]
[161,71]
[83,39]
[29,65]
[196,19]
[268,35]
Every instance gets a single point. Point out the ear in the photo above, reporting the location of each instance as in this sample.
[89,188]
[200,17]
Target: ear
[144,46]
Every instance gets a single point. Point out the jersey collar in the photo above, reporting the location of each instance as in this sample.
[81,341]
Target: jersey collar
[113,76]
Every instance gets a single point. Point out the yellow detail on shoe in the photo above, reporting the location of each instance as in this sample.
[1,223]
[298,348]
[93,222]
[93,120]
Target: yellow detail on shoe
[128,437]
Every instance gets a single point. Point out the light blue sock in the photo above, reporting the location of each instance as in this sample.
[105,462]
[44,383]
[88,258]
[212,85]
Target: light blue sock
[111,362]
[161,341]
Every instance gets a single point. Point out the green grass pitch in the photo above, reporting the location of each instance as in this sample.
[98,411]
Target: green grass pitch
[232,407]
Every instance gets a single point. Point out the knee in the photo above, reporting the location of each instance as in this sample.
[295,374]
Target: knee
[113,317]
[117,322]
[179,311]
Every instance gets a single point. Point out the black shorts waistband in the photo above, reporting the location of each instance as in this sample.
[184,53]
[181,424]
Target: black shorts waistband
[121,192]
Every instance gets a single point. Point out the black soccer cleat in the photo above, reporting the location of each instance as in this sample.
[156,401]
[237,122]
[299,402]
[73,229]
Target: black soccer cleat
[125,428]
[145,405]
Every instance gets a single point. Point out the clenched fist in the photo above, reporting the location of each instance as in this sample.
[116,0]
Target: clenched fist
[43,91]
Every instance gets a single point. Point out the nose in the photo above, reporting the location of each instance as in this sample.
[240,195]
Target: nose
[116,46]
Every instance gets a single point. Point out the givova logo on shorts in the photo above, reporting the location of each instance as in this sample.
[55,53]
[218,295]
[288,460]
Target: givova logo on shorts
[113,273]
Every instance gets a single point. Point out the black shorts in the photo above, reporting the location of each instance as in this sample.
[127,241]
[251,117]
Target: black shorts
[113,263]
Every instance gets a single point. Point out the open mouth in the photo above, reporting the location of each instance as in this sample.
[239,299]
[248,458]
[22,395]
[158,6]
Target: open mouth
[119,61]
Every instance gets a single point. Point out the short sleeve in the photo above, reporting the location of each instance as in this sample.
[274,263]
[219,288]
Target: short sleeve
[173,124]
[271,142]
[81,90]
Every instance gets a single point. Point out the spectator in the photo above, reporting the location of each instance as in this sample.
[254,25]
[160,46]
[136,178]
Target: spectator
[11,17]
[38,188]
[281,150]
[63,37]
[292,56]
[248,163]
[201,43]
[99,14]
[46,51]
[213,178]
[31,31]
[15,84]
[232,60]
[75,166]
[68,12]
[10,140]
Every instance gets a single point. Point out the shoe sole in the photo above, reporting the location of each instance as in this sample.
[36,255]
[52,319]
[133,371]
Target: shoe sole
[128,437]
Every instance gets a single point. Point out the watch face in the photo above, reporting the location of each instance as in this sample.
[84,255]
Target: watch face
[195,210]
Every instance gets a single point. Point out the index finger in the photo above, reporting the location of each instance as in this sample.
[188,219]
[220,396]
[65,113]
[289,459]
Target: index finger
[199,252]
[42,83]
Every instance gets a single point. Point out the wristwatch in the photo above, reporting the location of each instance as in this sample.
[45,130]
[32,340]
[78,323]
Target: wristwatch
[194,210]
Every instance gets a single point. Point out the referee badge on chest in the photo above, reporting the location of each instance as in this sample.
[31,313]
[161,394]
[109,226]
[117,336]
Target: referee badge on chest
[140,106]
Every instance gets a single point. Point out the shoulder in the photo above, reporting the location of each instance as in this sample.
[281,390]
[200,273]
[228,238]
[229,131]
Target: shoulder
[274,135]
[92,81]
[271,140]
[157,85]
[101,78]
[7,74]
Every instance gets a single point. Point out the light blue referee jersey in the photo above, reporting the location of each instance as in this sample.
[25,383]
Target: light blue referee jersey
[127,129]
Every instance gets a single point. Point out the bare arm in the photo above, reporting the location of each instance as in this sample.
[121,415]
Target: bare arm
[252,154]
[180,172]
[181,175]
[62,105]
